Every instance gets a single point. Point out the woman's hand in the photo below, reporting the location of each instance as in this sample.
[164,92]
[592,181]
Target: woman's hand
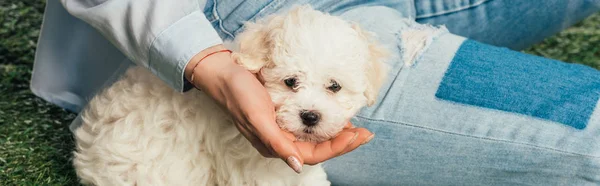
[243,95]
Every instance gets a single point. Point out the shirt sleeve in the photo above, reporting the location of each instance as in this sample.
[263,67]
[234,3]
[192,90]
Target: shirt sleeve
[162,35]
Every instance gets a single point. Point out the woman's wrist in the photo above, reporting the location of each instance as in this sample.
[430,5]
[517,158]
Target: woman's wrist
[207,69]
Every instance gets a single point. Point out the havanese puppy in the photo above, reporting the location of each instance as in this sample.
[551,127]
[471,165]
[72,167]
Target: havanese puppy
[318,69]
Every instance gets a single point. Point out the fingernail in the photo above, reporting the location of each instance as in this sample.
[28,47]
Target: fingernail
[295,164]
[368,139]
[353,138]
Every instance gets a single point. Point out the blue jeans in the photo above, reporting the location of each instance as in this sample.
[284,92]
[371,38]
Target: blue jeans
[472,114]
[515,24]
[465,113]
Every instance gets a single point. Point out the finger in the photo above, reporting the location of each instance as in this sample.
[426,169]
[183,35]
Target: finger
[349,126]
[262,149]
[257,109]
[289,135]
[260,114]
[279,142]
[364,136]
[255,141]
[288,152]
[317,153]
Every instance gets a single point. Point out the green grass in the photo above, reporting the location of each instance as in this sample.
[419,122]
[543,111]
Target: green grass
[578,44]
[35,143]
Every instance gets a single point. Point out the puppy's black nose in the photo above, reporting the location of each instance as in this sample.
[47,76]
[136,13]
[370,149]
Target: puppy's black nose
[310,118]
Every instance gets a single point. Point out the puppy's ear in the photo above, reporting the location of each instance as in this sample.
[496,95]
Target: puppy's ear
[254,47]
[376,68]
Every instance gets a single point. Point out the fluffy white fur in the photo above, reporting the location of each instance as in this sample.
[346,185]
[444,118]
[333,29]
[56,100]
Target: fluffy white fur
[141,132]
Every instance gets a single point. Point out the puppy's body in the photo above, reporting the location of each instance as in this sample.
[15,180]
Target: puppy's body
[141,132]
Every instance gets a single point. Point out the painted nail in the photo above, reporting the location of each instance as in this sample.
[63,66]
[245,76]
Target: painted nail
[295,164]
[368,139]
[353,138]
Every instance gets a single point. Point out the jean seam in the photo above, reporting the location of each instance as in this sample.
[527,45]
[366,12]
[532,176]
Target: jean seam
[451,10]
[270,5]
[480,137]
[218,17]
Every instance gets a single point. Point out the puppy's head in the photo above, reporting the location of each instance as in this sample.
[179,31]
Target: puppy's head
[318,69]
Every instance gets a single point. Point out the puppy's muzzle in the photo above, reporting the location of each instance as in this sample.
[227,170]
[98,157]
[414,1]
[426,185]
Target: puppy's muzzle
[310,118]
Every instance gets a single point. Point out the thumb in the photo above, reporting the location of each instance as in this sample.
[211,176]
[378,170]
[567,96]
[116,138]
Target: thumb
[288,152]
[284,148]
[273,137]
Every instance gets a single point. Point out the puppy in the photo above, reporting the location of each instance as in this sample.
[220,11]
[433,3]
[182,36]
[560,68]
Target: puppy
[318,69]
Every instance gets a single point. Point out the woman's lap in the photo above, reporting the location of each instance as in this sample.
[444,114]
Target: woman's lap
[425,137]
[430,133]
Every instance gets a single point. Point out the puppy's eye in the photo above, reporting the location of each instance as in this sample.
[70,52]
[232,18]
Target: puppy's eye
[291,82]
[334,87]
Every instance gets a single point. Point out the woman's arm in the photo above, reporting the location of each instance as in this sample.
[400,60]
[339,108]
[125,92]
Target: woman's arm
[170,37]
[160,35]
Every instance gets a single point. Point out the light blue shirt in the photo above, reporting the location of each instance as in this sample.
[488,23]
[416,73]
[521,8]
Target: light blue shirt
[147,33]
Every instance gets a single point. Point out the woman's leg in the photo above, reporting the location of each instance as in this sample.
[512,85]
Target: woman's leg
[516,24]
[426,138]
[466,113]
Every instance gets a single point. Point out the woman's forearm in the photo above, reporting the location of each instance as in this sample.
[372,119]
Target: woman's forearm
[160,35]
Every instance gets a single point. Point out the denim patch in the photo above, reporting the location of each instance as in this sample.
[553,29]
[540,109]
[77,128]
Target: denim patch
[506,80]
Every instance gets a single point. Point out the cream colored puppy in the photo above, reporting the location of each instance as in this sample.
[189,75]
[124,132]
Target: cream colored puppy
[318,69]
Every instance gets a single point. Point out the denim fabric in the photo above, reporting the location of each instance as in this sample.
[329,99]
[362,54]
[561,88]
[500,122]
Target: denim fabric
[229,17]
[498,78]
[422,140]
[427,8]
[516,24]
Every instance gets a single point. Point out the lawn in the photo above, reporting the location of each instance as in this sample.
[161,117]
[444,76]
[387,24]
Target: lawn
[35,143]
